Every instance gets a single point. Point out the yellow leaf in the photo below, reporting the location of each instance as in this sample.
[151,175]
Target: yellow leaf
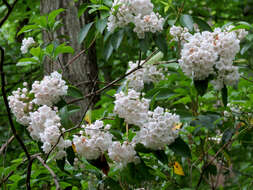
[87,117]
[177,126]
[74,147]
[178,169]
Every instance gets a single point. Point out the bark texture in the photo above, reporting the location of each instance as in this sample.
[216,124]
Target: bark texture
[85,67]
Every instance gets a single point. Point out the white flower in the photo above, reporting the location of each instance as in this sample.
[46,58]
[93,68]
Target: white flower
[26,44]
[149,73]
[159,130]
[49,90]
[130,107]
[20,105]
[122,154]
[94,142]
[41,119]
[138,12]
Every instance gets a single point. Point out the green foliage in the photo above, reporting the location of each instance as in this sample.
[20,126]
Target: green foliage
[201,108]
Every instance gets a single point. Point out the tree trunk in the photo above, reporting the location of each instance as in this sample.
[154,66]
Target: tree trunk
[85,67]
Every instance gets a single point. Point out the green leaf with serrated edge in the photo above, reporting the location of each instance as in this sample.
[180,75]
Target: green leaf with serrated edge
[180,148]
[187,21]
[84,31]
[224,94]
[70,155]
[201,86]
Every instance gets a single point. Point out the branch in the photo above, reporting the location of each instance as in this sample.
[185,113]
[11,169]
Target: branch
[80,53]
[115,81]
[210,162]
[7,106]
[28,175]
[50,171]
[4,146]
[80,123]
[10,8]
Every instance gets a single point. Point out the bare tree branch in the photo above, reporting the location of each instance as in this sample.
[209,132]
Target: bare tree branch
[10,8]
[50,171]
[4,146]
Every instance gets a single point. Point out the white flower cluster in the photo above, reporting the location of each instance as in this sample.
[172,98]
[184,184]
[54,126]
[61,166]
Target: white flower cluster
[159,130]
[44,126]
[147,74]
[26,44]
[122,154]
[49,90]
[93,141]
[138,12]
[130,107]
[21,105]
[43,122]
[180,34]
[210,53]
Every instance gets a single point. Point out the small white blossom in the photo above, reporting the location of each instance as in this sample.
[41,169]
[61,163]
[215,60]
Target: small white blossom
[49,90]
[122,154]
[94,142]
[26,44]
[159,130]
[130,107]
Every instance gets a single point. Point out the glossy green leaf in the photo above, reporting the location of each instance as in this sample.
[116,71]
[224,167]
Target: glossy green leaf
[84,31]
[180,148]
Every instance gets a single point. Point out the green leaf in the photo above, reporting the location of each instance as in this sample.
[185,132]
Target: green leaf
[36,52]
[180,148]
[201,86]
[114,185]
[141,148]
[160,155]
[187,21]
[117,39]
[74,92]
[61,163]
[211,170]
[64,115]
[246,47]
[70,155]
[84,31]
[27,61]
[108,50]
[82,8]
[203,25]
[100,25]
[53,14]
[160,41]
[224,94]
[227,135]
[162,93]
[63,49]
[28,28]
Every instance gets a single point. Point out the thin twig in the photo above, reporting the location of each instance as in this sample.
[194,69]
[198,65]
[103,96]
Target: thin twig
[79,125]
[4,146]
[115,81]
[7,106]
[10,8]
[50,171]
[80,53]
